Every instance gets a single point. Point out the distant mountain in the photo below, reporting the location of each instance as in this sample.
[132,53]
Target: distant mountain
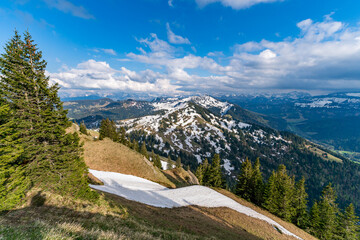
[332,120]
[195,128]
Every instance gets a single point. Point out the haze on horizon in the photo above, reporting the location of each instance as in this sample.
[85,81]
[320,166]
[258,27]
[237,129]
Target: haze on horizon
[186,47]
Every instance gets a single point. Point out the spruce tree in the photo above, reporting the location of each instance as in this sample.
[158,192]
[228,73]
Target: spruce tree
[83,129]
[135,146]
[47,157]
[200,174]
[178,162]
[300,201]
[243,187]
[279,194]
[144,151]
[157,162]
[328,212]
[315,220]
[257,185]
[215,178]
[348,224]
[169,164]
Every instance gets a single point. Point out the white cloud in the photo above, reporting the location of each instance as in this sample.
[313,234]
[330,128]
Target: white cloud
[105,50]
[93,75]
[68,7]
[235,4]
[175,39]
[325,56]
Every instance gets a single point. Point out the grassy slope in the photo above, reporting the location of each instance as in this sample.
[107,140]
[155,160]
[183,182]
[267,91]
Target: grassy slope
[113,217]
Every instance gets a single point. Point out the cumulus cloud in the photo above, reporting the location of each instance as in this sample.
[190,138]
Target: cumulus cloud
[324,56]
[94,75]
[68,7]
[175,39]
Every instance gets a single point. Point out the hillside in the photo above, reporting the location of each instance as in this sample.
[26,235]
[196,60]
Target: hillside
[112,217]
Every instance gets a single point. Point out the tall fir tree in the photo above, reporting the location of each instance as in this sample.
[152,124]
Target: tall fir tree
[178,162]
[348,224]
[300,217]
[157,162]
[83,129]
[257,184]
[38,138]
[243,187]
[143,150]
[215,178]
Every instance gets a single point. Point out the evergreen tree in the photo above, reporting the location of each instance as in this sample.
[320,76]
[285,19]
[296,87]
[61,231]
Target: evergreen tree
[328,212]
[279,194]
[243,187]
[300,201]
[37,151]
[122,134]
[178,162]
[143,150]
[315,220]
[108,129]
[257,185]
[152,156]
[348,228]
[215,178]
[83,129]
[169,164]
[157,162]
[135,146]
[200,173]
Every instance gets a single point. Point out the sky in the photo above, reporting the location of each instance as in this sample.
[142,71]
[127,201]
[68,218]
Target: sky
[185,47]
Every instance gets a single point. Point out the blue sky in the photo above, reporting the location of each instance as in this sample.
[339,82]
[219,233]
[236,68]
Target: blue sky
[175,47]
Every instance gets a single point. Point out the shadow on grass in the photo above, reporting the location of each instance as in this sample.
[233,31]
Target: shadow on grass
[42,221]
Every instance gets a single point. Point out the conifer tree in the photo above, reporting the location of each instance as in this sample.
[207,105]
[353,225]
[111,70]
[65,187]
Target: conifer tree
[143,150]
[108,129]
[300,201]
[348,224]
[215,178]
[279,194]
[257,185]
[41,152]
[178,162]
[243,187]
[157,162]
[83,129]
[328,212]
[135,146]
[122,134]
[169,164]
[200,173]
[152,156]
[315,220]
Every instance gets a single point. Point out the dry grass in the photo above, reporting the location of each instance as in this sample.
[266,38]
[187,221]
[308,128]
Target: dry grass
[106,155]
[289,226]
[320,153]
[180,177]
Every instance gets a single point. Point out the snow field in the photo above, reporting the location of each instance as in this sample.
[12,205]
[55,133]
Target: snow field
[150,193]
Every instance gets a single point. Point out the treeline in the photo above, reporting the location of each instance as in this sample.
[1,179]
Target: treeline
[35,150]
[286,198]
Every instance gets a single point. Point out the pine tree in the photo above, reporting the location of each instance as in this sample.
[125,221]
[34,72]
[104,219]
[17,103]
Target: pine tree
[315,220]
[257,184]
[152,156]
[178,162]
[215,178]
[157,162]
[143,150]
[348,228]
[300,201]
[122,134]
[328,212]
[108,130]
[279,194]
[42,153]
[169,163]
[200,173]
[83,129]
[243,187]
[135,146]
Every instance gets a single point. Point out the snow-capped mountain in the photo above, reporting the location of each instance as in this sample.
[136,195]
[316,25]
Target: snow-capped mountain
[196,128]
